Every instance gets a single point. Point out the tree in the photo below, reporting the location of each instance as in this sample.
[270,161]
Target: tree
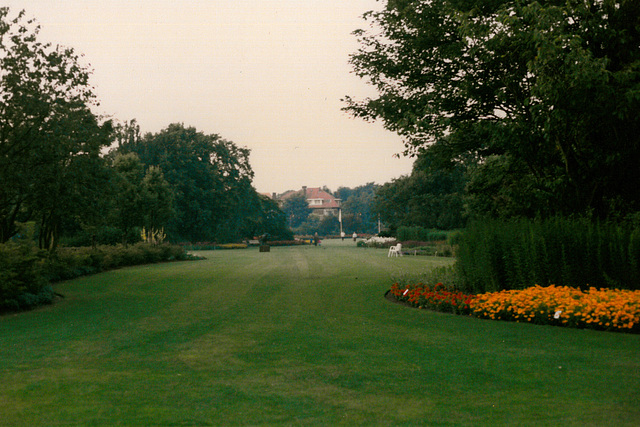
[431,197]
[549,91]
[128,209]
[328,225]
[50,141]
[158,200]
[356,208]
[297,209]
[209,177]
[266,217]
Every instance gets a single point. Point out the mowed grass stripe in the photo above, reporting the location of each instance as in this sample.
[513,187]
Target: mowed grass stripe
[297,335]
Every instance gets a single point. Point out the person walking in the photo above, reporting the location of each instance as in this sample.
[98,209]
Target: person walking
[355,236]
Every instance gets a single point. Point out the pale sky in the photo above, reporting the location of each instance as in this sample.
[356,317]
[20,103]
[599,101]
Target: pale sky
[265,74]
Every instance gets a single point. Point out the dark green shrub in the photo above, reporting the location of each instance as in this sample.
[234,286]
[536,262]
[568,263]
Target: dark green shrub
[28,300]
[22,281]
[69,263]
[25,271]
[497,255]
[420,233]
[386,233]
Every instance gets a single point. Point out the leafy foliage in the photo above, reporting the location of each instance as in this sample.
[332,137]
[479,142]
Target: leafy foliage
[431,197]
[542,96]
[50,141]
[22,280]
[357,213]
[26,272]
[265,216]
[420,233]
[496,255]
[208,182]
[297,210]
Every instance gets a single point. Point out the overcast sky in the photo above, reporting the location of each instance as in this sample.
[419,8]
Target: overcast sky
[265,74]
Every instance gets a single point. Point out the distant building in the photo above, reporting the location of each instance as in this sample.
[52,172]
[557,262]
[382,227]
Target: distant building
[320,201]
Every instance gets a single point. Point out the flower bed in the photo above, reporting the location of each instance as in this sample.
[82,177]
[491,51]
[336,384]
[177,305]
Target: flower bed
[437,298]
[604,309]
[231,246]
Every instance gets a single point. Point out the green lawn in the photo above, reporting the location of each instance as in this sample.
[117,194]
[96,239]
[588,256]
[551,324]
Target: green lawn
[299,335]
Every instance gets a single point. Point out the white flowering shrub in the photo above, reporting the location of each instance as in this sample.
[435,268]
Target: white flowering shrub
[380,242]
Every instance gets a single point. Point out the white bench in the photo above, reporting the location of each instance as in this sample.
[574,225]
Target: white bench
[395,250]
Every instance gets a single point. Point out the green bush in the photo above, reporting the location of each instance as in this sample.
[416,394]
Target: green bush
[26,272]
[498,255]
[22,282]
[68,263]
[65,264]
[106,235]
[420,234]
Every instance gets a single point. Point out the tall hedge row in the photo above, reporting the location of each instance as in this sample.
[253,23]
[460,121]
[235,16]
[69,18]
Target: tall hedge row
[497,255]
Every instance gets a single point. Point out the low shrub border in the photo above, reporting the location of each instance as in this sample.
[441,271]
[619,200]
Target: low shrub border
[232,246]
[26,272]
[212,246]
[600,309]
[285,243]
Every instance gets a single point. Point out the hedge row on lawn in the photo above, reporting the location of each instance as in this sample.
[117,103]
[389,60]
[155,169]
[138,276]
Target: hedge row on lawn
[26,272]
[286,243]
[501,255]
[212,246]
[421,234]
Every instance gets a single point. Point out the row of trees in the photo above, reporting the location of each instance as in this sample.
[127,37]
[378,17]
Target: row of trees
[54,174]
[209,182]
[50,141]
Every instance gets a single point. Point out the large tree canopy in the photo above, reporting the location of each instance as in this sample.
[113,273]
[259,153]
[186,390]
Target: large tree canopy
[543,95]
[52,171]
[296,209]
[50,141]
[356,208]
[211,181]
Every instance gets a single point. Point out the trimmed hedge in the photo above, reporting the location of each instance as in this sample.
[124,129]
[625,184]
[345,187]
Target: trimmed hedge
[26,272]
[420,234]
[501,255]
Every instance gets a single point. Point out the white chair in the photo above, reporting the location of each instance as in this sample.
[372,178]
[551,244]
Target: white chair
[395,250]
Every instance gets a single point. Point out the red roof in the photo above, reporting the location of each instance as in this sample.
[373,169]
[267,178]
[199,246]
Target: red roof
[316,194]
